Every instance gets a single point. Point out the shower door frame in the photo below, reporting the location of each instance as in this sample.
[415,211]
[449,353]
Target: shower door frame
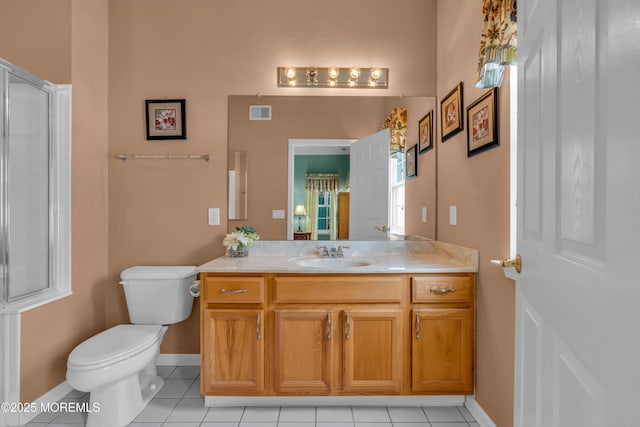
[59,217]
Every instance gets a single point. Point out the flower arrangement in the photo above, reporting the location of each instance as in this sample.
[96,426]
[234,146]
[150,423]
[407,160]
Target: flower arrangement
[237,243]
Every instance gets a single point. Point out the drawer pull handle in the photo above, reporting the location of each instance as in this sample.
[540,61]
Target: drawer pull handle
[347,328]
[418,326]
[441,290]
[233,291]
[258,328]
[328,326]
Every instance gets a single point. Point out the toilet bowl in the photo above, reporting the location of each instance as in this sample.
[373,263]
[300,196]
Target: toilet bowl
[118,366]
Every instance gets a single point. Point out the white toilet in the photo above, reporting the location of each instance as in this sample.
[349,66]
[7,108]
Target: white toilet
[118,366]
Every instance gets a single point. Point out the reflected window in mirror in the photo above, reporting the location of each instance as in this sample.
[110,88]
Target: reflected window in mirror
[324,215]
[397,192]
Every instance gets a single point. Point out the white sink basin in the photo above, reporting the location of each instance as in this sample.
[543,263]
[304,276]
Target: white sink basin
[333,263]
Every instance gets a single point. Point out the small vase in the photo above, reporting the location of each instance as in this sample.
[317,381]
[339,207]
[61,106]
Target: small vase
[238,252]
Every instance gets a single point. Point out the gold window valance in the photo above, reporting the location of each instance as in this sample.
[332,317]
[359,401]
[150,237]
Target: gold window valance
[322,182]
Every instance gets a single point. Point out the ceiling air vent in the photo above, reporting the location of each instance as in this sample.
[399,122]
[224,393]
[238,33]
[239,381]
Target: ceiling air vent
[259,112]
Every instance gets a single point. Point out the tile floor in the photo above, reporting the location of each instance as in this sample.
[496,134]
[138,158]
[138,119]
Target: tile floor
[179,404]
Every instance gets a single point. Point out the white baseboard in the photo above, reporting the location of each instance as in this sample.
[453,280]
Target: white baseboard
[478,413]
[447,400]
[178,360]
[51,396]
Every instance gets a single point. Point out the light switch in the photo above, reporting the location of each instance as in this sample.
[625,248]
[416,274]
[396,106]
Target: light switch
[424,215]
[214,216]
[453,215]
[277,214]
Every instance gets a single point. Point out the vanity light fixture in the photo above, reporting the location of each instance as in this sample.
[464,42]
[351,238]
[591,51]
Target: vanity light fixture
[341,77]
[290,74]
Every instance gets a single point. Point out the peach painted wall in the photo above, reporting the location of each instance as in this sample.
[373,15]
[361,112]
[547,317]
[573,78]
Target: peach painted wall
[48,48]
[317,117]
[479,187]
[36,36]
[155,211]
[199,51]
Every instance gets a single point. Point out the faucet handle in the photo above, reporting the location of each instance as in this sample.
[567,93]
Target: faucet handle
[324,251]
[340,252]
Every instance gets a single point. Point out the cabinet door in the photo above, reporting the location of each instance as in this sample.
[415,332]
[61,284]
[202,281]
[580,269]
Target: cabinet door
[373,350]
[302,351]
[442,350]
[233,351]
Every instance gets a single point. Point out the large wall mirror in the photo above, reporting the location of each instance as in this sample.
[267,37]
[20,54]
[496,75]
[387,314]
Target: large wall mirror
[262,167]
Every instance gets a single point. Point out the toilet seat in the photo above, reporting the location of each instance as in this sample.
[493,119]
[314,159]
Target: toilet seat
[114,345]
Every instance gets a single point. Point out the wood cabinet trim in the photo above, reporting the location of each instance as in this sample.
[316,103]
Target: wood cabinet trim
[338,289]
[234,290]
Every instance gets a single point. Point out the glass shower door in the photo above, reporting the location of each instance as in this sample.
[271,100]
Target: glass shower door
[26,255]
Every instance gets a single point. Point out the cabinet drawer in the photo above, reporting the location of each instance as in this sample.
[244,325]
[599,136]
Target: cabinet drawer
[229,290]
[442,289]
[338,289]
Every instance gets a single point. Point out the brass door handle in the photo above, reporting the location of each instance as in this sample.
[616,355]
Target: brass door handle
[513,262]
[382,228]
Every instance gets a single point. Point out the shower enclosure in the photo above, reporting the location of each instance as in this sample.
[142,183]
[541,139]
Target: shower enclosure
[34,187]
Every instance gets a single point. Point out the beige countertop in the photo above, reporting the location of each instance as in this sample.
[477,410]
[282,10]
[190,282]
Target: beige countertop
[359,258]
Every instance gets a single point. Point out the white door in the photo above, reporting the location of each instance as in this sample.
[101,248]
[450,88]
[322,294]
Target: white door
[369,200]
[578,296]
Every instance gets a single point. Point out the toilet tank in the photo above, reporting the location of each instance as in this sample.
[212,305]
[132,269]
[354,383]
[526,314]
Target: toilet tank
[158,295]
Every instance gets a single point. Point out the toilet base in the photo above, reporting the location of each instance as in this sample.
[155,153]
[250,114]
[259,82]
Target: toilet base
[119,403]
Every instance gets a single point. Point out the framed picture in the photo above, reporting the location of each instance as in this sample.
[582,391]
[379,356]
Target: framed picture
[166,119]
[451,113]
[412,161]
[425,133]
[482,126]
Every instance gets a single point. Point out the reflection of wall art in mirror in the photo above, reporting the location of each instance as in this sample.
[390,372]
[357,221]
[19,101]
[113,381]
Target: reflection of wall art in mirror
[166,119]
[451,113]
[412,161]
[482,123]
[425,132]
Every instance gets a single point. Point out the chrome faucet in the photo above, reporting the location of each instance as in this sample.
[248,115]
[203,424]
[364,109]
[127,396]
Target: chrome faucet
[333,253]
[324,251]
[340,253]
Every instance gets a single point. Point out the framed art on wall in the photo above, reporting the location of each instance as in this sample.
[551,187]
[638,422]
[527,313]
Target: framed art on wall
[451,113]
[166,119]
[425,132]
[482,126]
[412,161]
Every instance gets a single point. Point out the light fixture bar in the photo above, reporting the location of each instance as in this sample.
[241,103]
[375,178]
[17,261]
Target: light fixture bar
[338,77]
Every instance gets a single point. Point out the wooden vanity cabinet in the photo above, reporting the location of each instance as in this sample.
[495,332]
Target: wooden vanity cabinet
[232,335]
[234,360]
[304,334]
[338,334]
[373,356]
[303,350]
[442,346]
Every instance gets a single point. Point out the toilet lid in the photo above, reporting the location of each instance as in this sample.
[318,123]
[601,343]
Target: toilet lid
[115,344]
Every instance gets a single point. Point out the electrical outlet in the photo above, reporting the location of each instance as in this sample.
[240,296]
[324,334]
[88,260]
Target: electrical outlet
[424,215]
[453,215]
